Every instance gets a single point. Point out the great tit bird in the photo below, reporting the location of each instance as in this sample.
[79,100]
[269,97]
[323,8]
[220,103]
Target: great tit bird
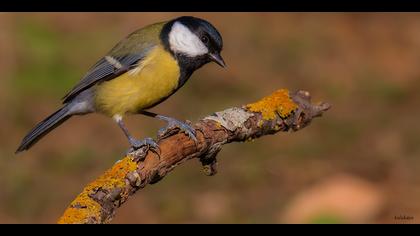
[141,71]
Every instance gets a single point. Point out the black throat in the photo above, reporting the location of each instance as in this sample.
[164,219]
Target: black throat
[187,64]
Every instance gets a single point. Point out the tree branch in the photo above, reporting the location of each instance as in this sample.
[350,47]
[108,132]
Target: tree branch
[281,111]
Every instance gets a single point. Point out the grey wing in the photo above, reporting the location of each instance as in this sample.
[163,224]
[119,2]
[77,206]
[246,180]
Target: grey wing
[107,68]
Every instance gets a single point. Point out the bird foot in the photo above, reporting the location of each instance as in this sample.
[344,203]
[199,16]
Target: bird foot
[174,124]
[147,143]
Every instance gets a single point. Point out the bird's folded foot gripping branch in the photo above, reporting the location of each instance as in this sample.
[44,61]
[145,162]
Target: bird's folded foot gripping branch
[280,111]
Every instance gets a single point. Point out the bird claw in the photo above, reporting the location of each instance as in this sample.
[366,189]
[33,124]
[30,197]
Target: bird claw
[147,143]
[176,124]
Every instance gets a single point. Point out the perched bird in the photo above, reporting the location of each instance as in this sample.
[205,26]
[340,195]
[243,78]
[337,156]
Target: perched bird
[141,71]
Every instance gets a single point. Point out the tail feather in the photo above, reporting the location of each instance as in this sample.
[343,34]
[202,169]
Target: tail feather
[43,128]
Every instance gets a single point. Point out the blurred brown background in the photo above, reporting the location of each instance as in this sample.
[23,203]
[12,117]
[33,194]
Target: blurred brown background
[360,163]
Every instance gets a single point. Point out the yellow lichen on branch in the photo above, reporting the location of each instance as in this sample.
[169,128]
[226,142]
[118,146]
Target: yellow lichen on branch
[81,209]
[84,207]
[278,102]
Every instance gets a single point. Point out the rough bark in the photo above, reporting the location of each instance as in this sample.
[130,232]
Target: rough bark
[280,111]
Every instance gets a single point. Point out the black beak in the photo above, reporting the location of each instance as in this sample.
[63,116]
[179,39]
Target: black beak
[218,59]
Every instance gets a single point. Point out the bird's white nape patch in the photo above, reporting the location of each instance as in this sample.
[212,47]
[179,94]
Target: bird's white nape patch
[182,40]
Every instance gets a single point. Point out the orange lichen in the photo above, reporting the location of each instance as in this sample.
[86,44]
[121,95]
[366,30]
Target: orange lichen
[84,207]
[81,210]
[115,177]
[278,102]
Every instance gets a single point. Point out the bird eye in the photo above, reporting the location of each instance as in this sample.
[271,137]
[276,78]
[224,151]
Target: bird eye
[204,39]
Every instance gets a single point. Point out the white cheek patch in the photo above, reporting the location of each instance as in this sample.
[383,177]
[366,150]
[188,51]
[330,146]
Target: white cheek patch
[182,40]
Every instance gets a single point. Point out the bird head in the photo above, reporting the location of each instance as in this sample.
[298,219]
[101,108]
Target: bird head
[193,41]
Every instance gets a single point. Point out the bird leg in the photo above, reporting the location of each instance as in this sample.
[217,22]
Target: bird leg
[172,124]
[136,144]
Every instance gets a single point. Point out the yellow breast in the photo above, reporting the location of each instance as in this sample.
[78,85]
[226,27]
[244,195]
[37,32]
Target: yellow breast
[155,78]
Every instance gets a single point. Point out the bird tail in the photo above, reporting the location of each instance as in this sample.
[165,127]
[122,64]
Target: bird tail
[44,127]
